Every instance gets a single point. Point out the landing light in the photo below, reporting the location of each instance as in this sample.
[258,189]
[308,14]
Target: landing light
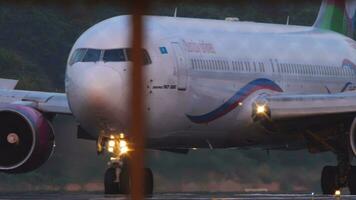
[117,145]
[261,109]
[111,149]
[111,143]
[124,150]
[123,147]
[123,143]
[337,193]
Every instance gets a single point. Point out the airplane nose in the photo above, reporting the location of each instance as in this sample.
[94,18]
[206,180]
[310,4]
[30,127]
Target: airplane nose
[99,86]
[99,97]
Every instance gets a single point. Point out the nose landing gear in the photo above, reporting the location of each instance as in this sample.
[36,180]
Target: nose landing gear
[117,178]
[111,182]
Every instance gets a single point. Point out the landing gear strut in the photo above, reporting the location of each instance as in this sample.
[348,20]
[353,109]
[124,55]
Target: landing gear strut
[111,182]
[329,180]
[117,178]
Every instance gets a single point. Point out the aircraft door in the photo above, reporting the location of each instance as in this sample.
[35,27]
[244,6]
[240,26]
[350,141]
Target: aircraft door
[181,66]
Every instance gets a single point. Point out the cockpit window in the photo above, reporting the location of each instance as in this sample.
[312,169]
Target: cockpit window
[114,55]
[92,55]
[106,55]
[146,58]
[77,56]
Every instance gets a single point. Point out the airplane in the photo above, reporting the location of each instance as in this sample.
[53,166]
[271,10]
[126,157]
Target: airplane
[208,84]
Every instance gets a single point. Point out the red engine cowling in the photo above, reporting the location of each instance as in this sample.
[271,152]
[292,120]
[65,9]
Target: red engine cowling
[26,139]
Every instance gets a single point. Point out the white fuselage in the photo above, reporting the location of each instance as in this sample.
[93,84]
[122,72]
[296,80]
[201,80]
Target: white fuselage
[203,76]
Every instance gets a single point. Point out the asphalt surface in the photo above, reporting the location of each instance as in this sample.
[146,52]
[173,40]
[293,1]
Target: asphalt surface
[171,196]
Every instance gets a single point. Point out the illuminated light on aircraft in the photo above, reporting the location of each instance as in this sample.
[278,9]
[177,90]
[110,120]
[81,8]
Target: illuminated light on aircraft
[261,109]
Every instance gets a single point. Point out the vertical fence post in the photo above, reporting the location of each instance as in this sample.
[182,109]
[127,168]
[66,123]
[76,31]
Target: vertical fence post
[137,130]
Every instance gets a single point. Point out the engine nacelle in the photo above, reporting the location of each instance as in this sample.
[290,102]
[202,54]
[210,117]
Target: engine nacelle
[26,139]
[353,137]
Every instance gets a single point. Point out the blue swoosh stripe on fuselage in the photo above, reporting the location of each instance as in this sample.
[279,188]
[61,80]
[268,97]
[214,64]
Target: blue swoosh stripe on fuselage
[345,87]
[233,102]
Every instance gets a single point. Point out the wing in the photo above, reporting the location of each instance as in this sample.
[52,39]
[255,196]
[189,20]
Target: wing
[292,106]
[321,119]
[46,102]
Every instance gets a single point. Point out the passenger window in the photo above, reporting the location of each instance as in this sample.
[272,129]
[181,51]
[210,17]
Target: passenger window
[114,55]
[280,67]
[314,70]
[247,66]
[92,55]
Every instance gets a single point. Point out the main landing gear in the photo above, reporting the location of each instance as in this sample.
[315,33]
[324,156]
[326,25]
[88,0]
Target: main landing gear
[117,178]
[334,178]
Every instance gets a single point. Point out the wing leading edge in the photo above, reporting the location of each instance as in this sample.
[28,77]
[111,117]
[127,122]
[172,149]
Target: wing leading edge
[290,106]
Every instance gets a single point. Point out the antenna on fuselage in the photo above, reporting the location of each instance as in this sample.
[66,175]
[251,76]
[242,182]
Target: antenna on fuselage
[175,12]
[288,20]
